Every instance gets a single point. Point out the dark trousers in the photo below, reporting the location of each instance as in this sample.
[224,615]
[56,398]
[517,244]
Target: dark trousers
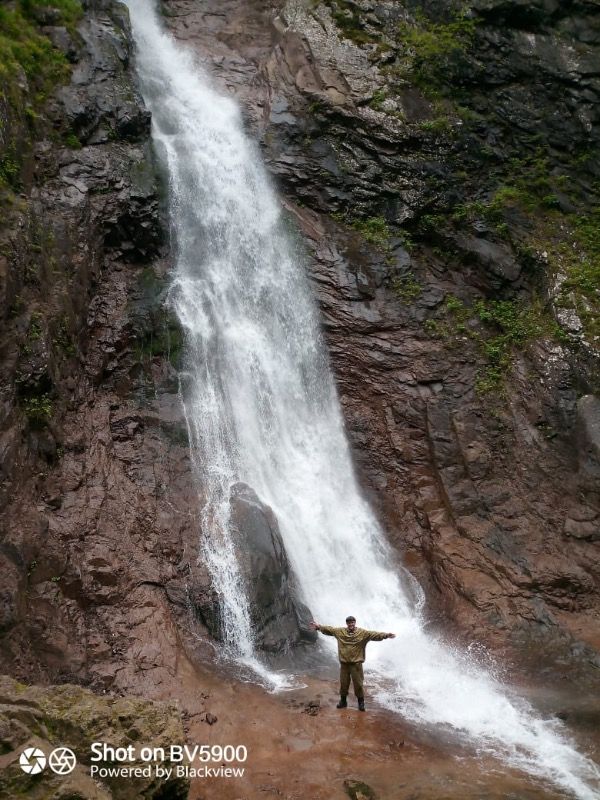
[352,670]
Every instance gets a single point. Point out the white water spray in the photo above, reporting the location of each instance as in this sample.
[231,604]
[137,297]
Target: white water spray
[262,408]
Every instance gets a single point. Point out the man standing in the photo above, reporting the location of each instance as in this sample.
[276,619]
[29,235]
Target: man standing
[352,642]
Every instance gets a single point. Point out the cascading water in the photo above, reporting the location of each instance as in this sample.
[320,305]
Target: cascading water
[262,408]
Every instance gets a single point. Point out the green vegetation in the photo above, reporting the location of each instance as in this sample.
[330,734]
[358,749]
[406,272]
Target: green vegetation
[316,107]
[434,49]
[26,52]
[407,288]
[493,211]
[378,99]
[499,329]
[35,327]
[534,198]
[23,46]
[38,410]
[545,216]
[166,339]
[348,20]
[62,339]
[575,258]
[568,240]
[431,49]
[406,239]
[426,53]
[9,170]
[34,333]
[438,125]
[72,141]
[511,326]
[373,229]
[429,223]
[527,184]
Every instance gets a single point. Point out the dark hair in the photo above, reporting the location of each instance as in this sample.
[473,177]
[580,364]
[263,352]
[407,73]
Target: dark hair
[350,619]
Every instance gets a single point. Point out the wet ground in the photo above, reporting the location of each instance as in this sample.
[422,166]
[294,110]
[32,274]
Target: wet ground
[300,747]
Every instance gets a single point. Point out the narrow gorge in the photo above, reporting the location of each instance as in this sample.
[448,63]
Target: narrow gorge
[365,382]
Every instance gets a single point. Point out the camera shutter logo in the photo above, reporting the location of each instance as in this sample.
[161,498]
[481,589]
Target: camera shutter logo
[62,760]
[32,760]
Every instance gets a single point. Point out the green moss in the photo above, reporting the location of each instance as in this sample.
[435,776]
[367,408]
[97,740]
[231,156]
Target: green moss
[24,49]
[432,328]
[9,170]
[492,211]
[35,327]
[347,17]
[69,11]
[569,241]
[72,141]
[510,327]
[407,288]
[23,46]
[499,329]
[38,410]
[576,258]
[34,333]
[560,247]
[378,99]
[438,125]
[62,339]
[406,239]
[526,187]
[433,49]
[358,790]
[165,340]
[374,230]
[430,223]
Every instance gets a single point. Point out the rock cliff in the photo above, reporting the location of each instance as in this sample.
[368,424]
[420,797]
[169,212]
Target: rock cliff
[438,159]
[97,505]
[58,716]
[440,166]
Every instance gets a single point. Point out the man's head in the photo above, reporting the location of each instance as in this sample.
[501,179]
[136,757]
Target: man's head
[351,623]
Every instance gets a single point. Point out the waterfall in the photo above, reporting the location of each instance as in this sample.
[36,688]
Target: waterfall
[262,408]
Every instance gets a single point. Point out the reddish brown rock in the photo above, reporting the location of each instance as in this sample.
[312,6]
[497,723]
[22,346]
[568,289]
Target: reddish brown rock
[483,497]
[478,493]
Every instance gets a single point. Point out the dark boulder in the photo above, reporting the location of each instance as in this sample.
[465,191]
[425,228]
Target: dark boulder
[280,620]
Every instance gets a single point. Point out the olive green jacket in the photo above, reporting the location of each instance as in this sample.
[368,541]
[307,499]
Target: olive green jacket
[351,646]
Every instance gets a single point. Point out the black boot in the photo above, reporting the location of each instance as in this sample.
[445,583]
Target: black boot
[361,703]
[343,702]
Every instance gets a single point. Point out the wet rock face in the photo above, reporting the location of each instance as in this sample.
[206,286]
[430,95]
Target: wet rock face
[97,503]
[588,417]
[481,492]
[101,103]
[279,618]
[486,498]
[56,716]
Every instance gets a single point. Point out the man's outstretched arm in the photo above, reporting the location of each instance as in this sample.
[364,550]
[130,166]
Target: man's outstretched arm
[378,636]
[328,630]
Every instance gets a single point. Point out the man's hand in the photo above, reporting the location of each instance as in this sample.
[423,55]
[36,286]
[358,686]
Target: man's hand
[314,625]
[391,635]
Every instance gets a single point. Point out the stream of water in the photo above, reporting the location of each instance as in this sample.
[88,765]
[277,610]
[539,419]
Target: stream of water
[262,408]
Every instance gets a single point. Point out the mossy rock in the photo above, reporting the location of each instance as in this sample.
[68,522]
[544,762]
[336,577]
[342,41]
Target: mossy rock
[357,790]
[71,716]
